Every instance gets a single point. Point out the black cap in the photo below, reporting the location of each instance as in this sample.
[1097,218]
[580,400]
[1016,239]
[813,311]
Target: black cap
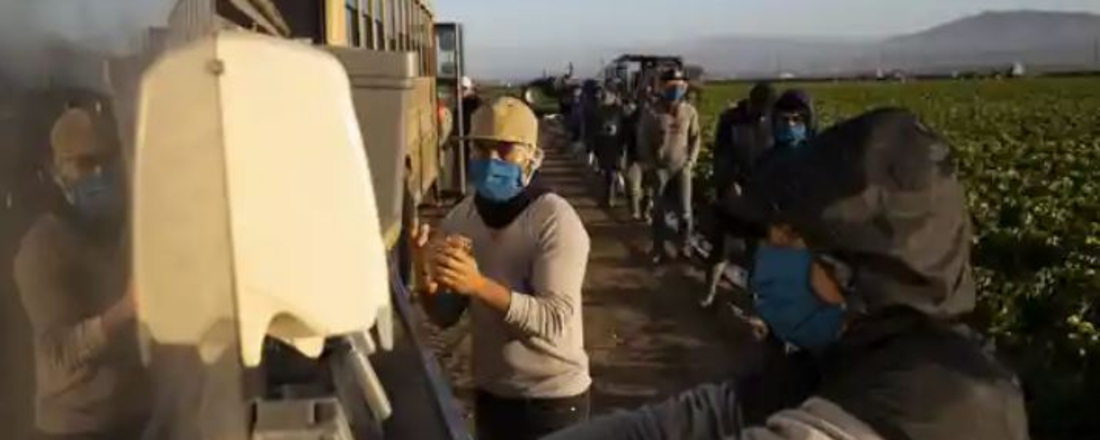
[880,193]
[673,75]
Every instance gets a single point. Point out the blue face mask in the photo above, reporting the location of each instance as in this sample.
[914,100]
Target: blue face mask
[675,93]
[97,197]
[791,135]
[786,300]
[496,180]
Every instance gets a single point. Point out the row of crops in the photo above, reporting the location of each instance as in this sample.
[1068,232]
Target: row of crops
[1029,154]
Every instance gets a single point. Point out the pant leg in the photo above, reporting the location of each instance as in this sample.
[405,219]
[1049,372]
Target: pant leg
[683,204]
[527,419]
[609,178]
[661,207]
[716,261]
[545,417]
[497,418]
[634,187]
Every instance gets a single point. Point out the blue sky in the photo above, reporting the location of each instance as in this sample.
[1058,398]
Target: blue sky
[549,23]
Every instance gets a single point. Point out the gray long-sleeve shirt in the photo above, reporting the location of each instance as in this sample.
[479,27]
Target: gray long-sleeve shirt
[536,349]
[669,136]
[710,412]
[87,379]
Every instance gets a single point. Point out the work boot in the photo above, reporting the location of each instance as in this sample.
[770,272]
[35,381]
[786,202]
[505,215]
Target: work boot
[658,254]
[635,208]
[708,302]
[714,280]
[687,251]
[658,258]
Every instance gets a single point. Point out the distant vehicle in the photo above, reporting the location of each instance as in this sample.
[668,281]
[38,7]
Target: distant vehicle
[633,74]
[550,87]
[1017,70]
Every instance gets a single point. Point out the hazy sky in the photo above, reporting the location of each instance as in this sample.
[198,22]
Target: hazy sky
[510,23]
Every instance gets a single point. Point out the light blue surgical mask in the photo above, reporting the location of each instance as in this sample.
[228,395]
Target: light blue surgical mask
[97,197]
[791,135]
[496,180]
[676,93]
[785,299]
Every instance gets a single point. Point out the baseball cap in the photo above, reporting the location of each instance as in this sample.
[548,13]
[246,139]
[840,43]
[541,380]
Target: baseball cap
[881,193]
[74,135]
[506,119]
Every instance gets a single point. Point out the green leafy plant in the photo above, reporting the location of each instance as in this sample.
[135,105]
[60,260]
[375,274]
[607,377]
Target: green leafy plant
[1029,154]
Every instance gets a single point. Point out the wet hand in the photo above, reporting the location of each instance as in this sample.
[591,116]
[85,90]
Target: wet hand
[422,257]
[456,269]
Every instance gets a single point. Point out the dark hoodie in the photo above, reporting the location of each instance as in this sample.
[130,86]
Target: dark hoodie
[880,194]
[743,135]
[791,101]
[797,101]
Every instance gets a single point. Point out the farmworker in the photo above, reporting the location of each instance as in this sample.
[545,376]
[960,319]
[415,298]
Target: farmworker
[445,117]
[471,101]
[568,101]
[72,273]
[793,120]
[633,167]
[743,135]
[863,267]
[669,140]
[590,108]
[574,121]
[610,144]
[514,255]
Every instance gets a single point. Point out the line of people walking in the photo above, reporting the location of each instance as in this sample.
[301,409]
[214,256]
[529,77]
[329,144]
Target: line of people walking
[856,242]
[646,148]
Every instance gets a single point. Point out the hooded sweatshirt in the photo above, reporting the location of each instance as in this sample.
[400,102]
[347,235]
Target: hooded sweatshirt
[867,192]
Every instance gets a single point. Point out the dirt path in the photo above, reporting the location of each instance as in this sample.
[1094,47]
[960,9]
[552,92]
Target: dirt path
[646,337]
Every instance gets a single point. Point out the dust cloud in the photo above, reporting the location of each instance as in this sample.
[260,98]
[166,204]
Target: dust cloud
[42,41]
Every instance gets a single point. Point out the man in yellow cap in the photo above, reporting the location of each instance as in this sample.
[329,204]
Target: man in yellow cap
[72,275]
[514,255]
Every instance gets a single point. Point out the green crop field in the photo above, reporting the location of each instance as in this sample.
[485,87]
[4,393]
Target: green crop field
[1029,154]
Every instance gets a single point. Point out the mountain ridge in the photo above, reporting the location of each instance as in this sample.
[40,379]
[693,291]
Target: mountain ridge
[1041,40]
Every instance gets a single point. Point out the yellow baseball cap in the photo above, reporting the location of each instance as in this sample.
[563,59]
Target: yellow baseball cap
[506,119]
[74,135]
